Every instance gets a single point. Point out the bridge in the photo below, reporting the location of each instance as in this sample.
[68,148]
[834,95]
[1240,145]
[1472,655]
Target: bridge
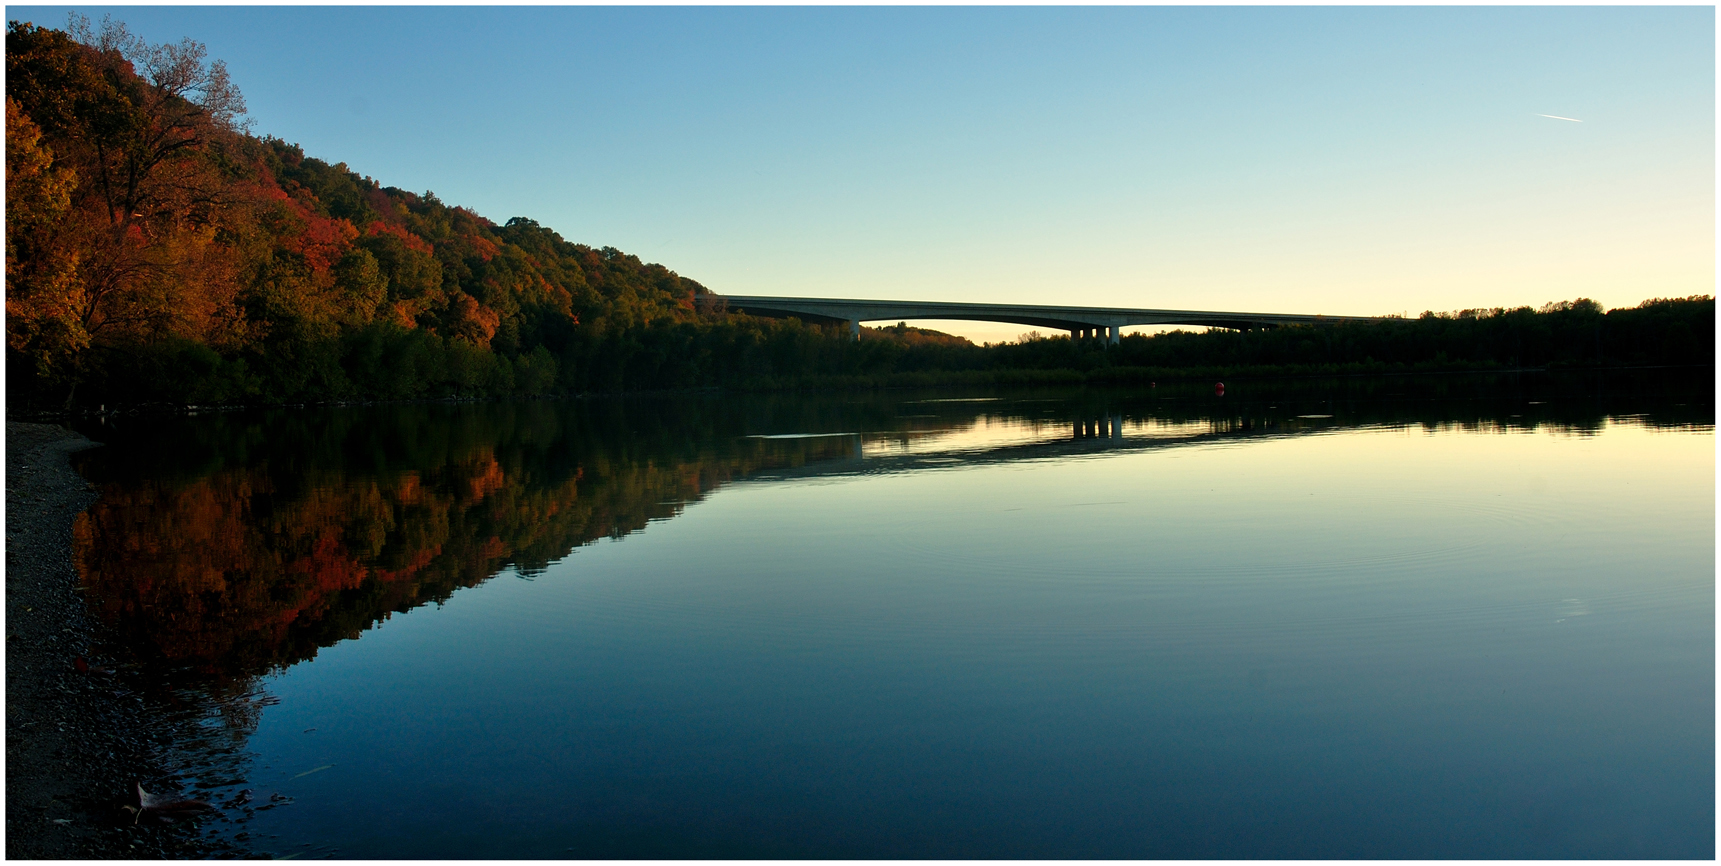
[1081,322]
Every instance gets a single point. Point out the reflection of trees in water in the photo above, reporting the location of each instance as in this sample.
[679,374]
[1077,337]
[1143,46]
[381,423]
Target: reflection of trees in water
[246,568]
[231,546]
[241,544]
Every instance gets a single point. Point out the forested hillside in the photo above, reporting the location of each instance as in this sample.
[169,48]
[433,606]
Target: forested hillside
[156,250]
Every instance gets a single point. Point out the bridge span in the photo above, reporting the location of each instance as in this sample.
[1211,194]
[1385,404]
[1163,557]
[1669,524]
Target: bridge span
[1079,321]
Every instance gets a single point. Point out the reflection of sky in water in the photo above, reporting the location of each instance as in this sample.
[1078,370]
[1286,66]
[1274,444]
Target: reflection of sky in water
[989,431]
[995,431]
[1363,643]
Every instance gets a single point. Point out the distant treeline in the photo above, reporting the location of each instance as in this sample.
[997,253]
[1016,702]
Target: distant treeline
[1679,331]
[156,251]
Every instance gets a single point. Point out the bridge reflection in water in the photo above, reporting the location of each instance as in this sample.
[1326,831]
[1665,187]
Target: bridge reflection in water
[228,547]
[240,544]
[1105,427]
[1103,433]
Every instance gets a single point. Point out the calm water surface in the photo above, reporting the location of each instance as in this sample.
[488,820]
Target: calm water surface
[1454,618]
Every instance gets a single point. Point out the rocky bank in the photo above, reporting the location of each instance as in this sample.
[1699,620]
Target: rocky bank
[79,733]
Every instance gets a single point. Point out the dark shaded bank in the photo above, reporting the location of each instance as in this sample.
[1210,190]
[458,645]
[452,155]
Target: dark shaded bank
[76,742]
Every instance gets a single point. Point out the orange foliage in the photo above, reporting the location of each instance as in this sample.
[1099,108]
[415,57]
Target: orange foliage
[407,489]
[486,481]
[412,241]
[472,321]
[481,248]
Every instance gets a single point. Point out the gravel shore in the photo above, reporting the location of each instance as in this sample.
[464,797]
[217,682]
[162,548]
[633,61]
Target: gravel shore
[76,741]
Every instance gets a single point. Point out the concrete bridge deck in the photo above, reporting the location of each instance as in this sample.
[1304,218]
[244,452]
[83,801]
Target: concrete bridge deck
[1079,321]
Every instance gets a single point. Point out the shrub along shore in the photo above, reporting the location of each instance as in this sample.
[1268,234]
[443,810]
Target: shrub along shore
[790,356]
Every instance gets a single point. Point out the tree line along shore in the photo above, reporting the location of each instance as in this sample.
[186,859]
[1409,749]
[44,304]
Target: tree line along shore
[157,251]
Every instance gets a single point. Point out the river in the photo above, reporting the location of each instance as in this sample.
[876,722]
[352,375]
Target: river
[1425,617]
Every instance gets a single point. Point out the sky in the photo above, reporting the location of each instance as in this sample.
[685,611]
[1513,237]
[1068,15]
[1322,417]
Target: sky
[1336,160]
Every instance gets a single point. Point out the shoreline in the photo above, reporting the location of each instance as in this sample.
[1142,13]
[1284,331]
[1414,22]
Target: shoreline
[1112,377]
[76,742]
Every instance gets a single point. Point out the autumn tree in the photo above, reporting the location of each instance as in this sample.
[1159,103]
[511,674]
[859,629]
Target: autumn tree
[133,127]
[42,308]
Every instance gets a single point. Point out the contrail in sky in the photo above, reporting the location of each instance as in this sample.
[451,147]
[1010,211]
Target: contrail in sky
[1557,117]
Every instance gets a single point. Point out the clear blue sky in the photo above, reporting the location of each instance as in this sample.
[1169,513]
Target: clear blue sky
[1336,160]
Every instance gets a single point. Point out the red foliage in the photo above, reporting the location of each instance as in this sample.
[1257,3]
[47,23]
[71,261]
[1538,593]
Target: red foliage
[412,241]
[330,566]
[320,240]
[323,241]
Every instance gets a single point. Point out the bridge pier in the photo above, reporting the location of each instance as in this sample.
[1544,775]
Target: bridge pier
[854,330]
[1111,333]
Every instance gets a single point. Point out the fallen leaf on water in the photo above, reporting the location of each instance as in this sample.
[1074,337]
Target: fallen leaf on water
[157,806]
[316,770]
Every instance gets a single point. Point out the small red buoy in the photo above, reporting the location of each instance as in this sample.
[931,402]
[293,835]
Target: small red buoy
[82,666]
[1219,389]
